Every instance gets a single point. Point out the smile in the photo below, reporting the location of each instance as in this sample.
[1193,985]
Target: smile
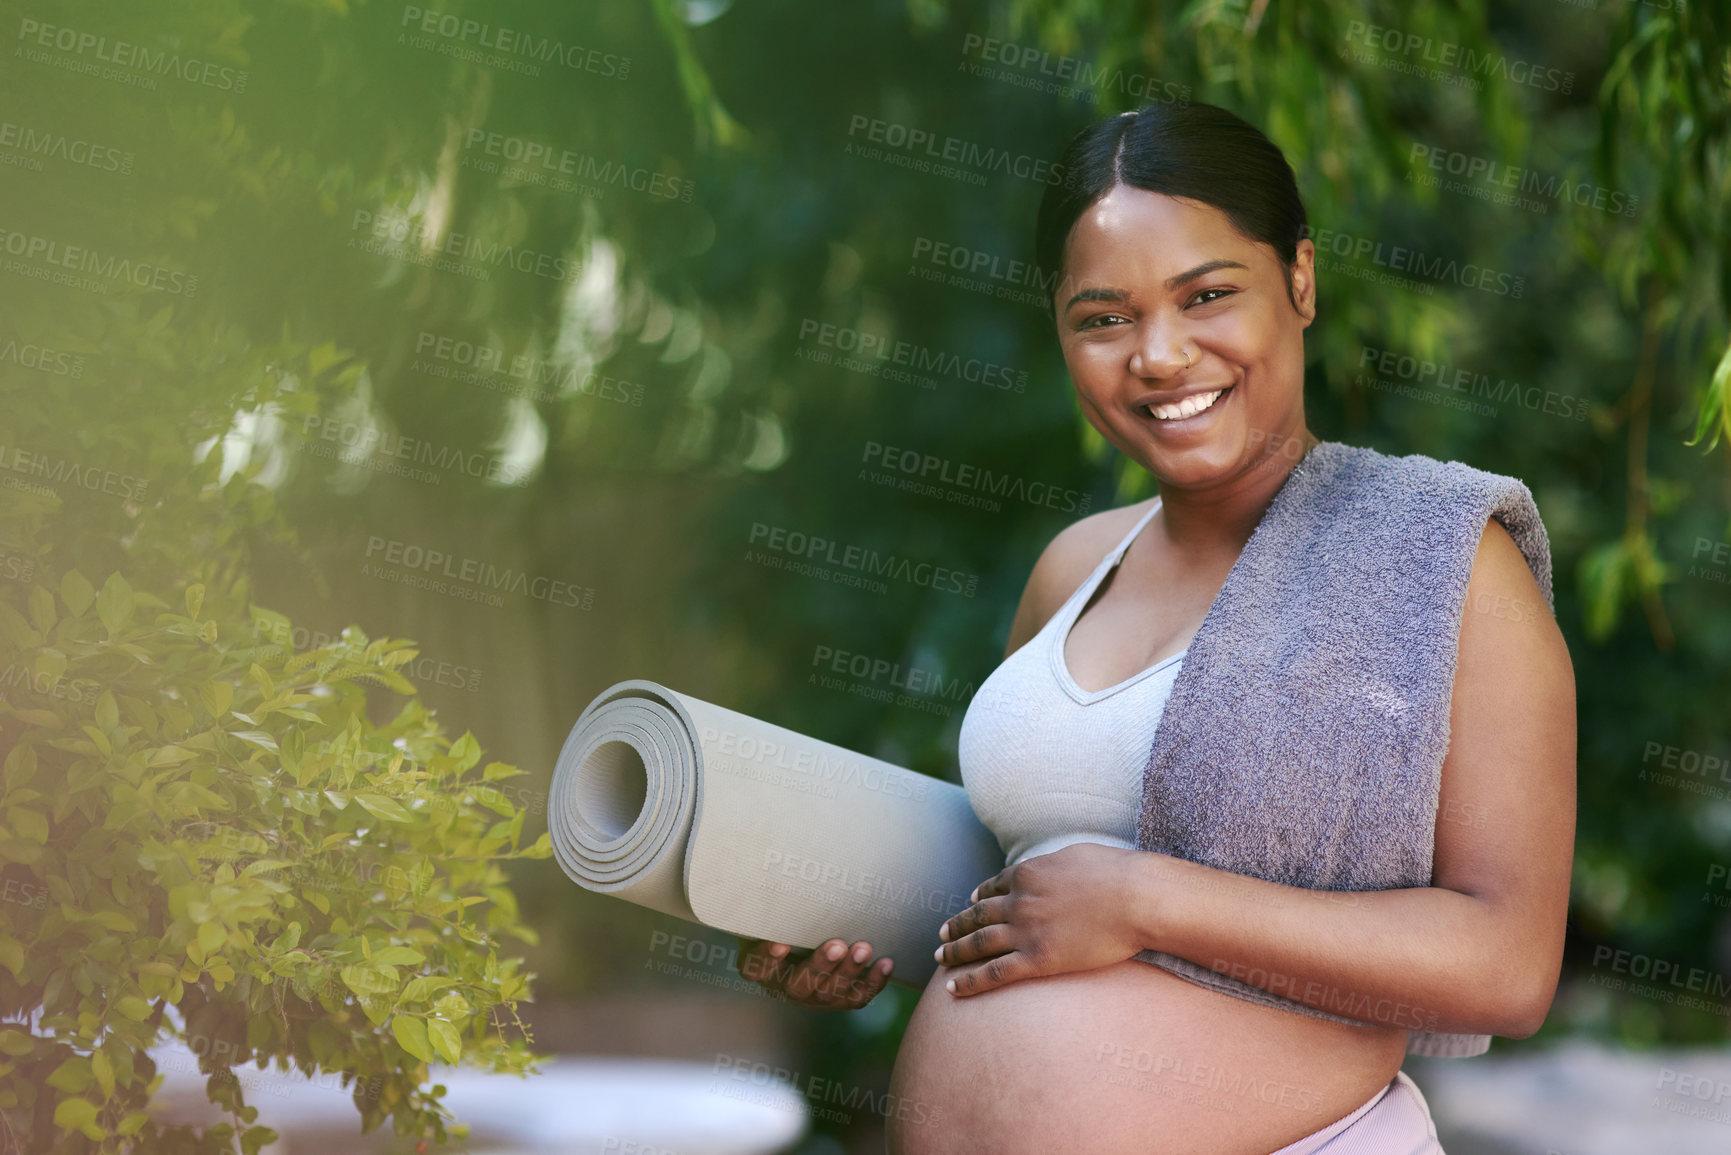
[1189,407]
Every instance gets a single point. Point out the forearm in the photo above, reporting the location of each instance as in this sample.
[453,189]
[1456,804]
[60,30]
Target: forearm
[1423,958]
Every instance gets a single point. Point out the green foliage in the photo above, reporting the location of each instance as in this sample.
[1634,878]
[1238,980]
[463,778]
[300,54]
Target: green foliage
[194,815]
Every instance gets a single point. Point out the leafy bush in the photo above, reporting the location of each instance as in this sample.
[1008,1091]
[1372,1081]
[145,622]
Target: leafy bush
[195,816]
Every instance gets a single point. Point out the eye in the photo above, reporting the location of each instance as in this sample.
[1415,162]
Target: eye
[1205,292]
[1089,323]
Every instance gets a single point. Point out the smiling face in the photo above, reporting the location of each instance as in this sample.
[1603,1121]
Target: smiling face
[1148,278]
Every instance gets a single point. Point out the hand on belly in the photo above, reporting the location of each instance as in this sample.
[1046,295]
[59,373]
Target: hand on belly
[1069,910]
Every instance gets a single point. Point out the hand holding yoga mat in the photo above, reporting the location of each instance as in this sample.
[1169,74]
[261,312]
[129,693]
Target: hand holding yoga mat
[721,819]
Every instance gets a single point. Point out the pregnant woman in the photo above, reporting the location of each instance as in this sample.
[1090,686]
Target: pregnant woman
[1067,1014]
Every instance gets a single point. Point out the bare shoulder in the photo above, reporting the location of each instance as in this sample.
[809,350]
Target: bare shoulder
[1065,564]
[1502,586]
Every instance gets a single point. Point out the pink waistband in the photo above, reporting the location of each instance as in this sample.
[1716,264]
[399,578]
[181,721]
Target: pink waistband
[1395,1121]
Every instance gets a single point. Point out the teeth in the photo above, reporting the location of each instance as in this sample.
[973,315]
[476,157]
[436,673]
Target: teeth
[1185,408]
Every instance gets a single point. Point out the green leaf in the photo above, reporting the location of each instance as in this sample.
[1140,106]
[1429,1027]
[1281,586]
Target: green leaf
[466,751]
[381,807]
[114,604]
[445,1040]
[194,599]
[217,697]
[104,1072]
[107,711]
[16,1043]
[72,1076]
[29,824]
[496,770]
[211,936]
[371,978]
[255,1137]
[411,1034]
[77,592]
[260,738]
[12,956]
[133,1008]
[422,987]
[20,766]
[41,605]
[399,956]
[74,1114]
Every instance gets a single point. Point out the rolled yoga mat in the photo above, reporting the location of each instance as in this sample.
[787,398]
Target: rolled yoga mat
[716,817]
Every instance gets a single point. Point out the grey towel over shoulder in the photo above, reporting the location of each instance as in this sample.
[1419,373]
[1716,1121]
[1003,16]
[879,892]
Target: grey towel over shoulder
[1304,737]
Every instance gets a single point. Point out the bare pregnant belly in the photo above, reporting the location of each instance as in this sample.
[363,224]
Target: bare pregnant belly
[1126,1059]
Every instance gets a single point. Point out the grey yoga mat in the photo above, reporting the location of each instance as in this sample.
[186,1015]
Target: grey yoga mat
[722,819]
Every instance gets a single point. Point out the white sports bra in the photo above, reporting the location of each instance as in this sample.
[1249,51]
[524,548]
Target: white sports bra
[1046,763]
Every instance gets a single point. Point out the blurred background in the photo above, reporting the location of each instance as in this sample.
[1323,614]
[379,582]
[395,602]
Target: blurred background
[347,302]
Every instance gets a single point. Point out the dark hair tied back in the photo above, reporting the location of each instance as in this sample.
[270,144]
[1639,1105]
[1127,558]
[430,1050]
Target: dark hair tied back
[1200,151]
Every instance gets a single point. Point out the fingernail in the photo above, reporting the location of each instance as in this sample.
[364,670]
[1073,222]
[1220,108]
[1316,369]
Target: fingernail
[950,986]
[884,965]
[835,951]
[974,895]
[861,952]
[944,931]
[778,949]
[938,954]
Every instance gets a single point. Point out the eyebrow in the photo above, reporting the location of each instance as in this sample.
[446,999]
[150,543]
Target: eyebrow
[1172,282]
